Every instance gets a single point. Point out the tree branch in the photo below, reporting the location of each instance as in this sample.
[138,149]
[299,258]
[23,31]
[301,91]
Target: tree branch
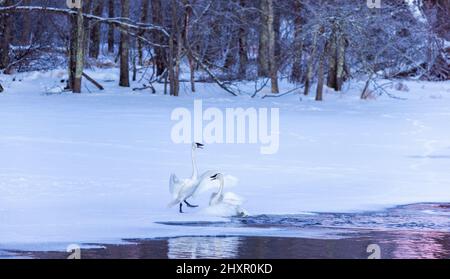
[121,22]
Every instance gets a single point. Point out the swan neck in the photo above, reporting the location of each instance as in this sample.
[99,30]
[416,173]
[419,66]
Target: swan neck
[221,187]
[194,165]
[216,197]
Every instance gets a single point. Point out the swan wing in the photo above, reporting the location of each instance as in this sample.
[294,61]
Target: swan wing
[205,183]
[174,184]
[232,199]
[231,181]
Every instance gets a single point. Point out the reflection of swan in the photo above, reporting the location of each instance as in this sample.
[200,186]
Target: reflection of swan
[182,190]
[225,203]
[203,247]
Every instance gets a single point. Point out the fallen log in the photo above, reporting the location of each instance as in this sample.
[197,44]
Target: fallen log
[145,87]
[98,85]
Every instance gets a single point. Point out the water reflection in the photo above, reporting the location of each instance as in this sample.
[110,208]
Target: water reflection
[405,232]
[203,247]
[394,245]
[423,245]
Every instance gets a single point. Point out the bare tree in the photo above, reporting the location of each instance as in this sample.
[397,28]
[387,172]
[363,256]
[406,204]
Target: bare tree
[76,61]
[111,14]
[26,26]
[243,45]
[124,47]
[94,47]
[144,19]
[296,74]
[5,37]
[336,49]
[186,37]
[160,58]
[310,67]
[175,42]
[264,38]
[267,65]
[273,65]
[87,9]
[320,77]
[225,41]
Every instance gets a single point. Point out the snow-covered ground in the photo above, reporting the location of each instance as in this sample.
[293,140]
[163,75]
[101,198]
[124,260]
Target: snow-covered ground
[94,168]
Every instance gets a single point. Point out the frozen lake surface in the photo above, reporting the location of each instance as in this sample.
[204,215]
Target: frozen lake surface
[94,167]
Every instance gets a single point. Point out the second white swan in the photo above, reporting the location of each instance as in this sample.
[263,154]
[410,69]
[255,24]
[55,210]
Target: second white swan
[226,203]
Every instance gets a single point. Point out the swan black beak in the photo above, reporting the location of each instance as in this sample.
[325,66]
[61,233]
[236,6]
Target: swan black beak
[214,177]
[199,145]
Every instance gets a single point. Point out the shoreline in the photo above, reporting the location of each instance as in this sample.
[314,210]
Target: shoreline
[393,245]
[417,231]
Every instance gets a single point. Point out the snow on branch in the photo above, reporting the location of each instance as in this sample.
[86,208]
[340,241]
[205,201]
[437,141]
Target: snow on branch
[120,22]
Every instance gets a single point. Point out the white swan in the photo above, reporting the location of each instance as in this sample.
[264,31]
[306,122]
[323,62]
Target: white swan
[184,189]
[226,203]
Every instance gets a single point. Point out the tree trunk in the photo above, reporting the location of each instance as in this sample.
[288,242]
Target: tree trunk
[276,14]
[273,64]
[187,18]
[5,36]
[243,56]
[171,63]
[340,63]
[76,61]
[134,64]
[94,48]
[87,9]
[72,52]
[310,69]
[267,65]
[336,50]
[111,13]
[296,74]
[173,51]
[144,19]
[26,28]
[124,47]
[264,37]
[320,78]
[178,62]
[160,53]
[332,59]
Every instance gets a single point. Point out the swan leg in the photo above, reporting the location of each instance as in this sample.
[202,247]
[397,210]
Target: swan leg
[181,207]
[190,205]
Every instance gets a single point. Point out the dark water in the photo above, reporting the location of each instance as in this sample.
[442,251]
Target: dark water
[413,231]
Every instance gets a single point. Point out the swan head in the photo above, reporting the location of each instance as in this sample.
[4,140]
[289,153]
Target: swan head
[197,145]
